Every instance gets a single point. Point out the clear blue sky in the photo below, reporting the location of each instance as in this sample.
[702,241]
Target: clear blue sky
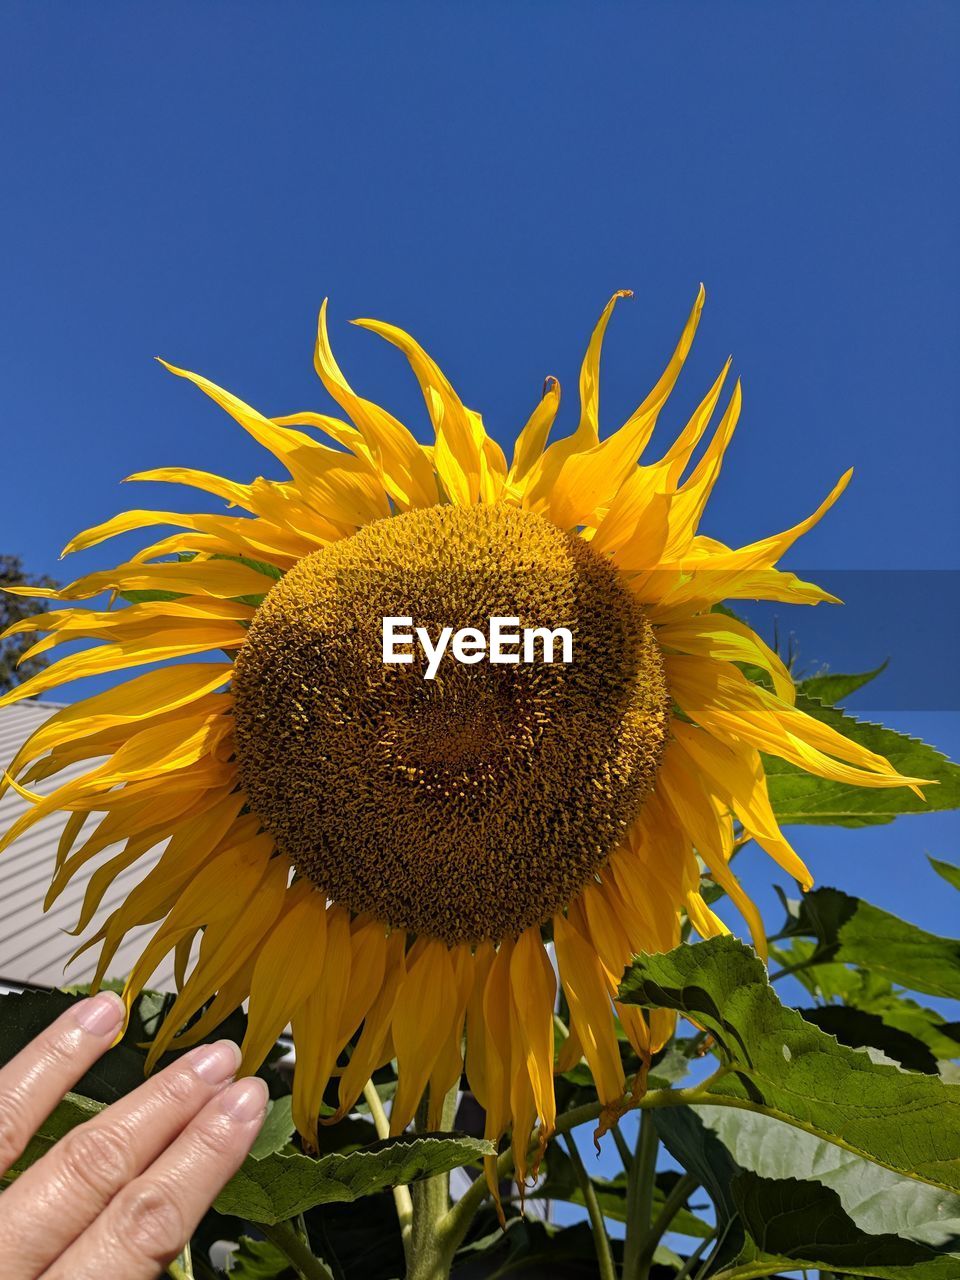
[190,180]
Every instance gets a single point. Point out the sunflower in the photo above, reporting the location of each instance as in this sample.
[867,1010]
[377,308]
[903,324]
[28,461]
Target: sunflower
[405,868]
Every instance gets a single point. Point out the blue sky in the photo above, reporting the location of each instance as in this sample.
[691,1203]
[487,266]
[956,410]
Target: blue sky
[190,180]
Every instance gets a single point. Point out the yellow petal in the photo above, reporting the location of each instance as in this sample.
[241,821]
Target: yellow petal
[737,776]
[119,657]
[407,475]
[715,635]
[371,1049]
[316,1025]
[721,699]
[769,550]
[244,536]
[139,699]
[449,1065]
[534,988]
[523,1106]
[214,894]
[691,499]
[227,946]
[231,995]
[571,1052]
[476,1027]
[279,988]
[588,429]
[591,1013]
[496,1018]
[316,469]
[368,947]
[532,439]
[695,812]
[221,579]
[459,454]
[234,494]
[589,479]
[190,844]
[421,1025]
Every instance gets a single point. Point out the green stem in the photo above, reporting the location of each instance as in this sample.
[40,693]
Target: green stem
[455,1224]
[299,1254]
[672,1204]
[427,1258]
[687,1268]
[749,1271]
[401,1195]
[639,1207]
[601,1241]
[626,1155]
[788,969]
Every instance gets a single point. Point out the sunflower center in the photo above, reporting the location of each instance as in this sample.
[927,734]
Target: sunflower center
[476,803]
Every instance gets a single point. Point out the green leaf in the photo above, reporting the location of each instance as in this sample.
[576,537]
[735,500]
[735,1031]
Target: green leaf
[841,1211]
[277,1128]
[804,1223]
[863,989]
[859,1029]
[850,931]
[831,687]
[25,1015]
[121,1069]
[798,797]
[701,1153]
[71,1111]
[942,1038]
[359,1239]
[260,1260]
[875,1199]
[280,1186]
[947,870]
[534,1249]
[781,1066]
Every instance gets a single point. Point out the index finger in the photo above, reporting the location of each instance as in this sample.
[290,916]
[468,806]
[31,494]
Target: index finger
[35,1080]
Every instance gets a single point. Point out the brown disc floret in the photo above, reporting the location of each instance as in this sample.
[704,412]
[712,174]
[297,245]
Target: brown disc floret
[477,803]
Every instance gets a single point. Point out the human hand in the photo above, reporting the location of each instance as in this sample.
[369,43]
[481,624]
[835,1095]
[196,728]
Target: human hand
[121,1194]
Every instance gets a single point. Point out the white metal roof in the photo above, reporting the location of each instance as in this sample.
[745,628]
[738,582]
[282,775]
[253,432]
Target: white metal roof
[34,947]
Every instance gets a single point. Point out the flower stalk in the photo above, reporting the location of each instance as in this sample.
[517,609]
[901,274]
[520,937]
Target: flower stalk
[601,1241]
[641,1176]
[306,1264]
[401,1194]
[428,1257]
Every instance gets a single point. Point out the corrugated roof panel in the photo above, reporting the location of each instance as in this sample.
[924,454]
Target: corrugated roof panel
[35,946]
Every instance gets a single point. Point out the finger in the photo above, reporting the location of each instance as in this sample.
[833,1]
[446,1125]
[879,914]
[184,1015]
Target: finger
[148,1222]
[56,1199]
[33,1082]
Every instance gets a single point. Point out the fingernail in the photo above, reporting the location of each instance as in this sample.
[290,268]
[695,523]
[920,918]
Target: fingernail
[102,1014]
[215,1063]
[246,1100]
